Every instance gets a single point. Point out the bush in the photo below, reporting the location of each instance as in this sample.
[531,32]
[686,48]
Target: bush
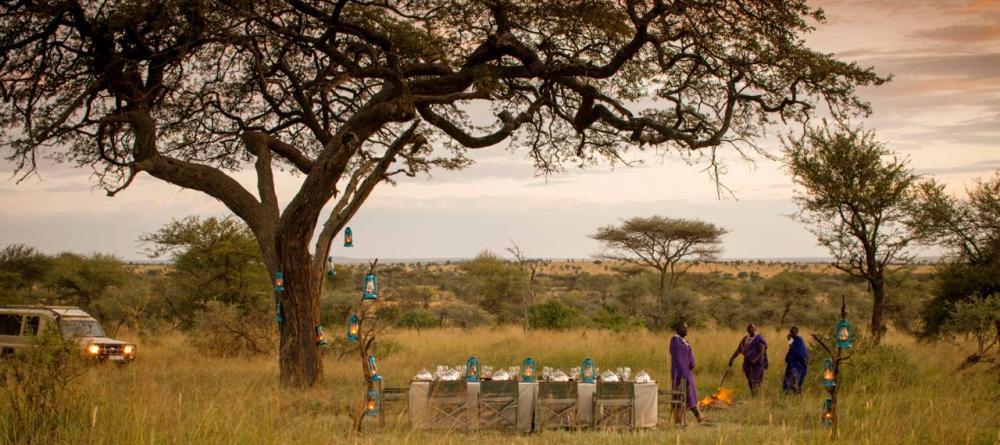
[552,314]
[461,314]
[417,319]
[41,404]
[225,330]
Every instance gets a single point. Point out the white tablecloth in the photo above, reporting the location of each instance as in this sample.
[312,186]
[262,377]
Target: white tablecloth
[645,404]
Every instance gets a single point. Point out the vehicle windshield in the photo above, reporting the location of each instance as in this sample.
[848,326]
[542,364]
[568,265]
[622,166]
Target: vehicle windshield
[81,328]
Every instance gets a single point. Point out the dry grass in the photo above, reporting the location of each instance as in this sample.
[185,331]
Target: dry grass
[173,395]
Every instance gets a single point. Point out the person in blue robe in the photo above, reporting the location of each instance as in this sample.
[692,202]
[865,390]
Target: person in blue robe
[796,362]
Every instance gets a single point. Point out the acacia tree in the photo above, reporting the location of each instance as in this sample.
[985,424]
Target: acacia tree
[969,232]
[854,198]
[661,243]
[348,94]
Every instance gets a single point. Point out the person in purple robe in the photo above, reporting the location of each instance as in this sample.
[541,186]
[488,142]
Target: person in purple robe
[682,367]
[796,362]
[754,350]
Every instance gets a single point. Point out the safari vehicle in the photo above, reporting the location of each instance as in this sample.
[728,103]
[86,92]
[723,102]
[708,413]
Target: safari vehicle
[19,323]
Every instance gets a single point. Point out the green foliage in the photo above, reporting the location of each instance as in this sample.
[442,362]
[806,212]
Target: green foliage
[41,402]
[417,319]
[226,330]
[855,196]
[461,314]
[496,285]
[970,234]
[978,319]
[552,314]
[214,259]
[21,269]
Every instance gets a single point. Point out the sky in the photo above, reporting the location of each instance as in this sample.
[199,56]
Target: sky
[941,111]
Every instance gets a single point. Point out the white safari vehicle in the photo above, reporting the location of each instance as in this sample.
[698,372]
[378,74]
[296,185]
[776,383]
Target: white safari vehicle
[19,323]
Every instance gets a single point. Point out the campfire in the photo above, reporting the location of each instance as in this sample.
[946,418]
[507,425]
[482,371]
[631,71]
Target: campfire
[723,398]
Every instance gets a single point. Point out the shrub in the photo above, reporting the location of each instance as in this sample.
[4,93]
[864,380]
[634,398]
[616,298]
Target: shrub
[552,314]
[461,314]
[40,402]
[418,319]
[226,330]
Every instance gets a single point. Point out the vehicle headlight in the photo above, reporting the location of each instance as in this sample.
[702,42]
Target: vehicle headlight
[129,349]
[94,349]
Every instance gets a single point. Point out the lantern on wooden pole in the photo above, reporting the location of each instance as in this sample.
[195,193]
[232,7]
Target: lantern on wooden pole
[843,339]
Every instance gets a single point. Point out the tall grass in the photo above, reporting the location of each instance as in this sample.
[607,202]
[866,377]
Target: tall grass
[907,393]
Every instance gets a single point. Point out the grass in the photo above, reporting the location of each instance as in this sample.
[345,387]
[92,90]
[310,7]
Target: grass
[907,393]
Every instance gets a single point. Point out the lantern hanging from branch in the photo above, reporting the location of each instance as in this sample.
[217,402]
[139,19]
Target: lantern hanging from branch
[829,380]
[372,403]
[353,328]
[587,370]
[844,334]
[472,369]
[279,316]
[371,287]
[828,415]
[279,282]
[373,369]
[320,338]
[348,238]
[528,370]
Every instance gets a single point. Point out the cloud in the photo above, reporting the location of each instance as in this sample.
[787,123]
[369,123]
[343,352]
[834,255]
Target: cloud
[975,167]
[972,33]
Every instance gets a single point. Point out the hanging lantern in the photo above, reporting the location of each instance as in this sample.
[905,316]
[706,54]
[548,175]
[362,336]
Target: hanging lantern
[472,369]
[279,316]
[348,238]
[828,377]
[279,282]
[373,369]
[587,370]
[844,334]
[331,271]
[371,287]
[372,403]
[320,338]
[353,328]
[827,418]
[528,370]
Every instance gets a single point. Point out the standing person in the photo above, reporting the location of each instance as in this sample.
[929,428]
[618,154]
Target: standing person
[682,367]
[796,362]
[754,350]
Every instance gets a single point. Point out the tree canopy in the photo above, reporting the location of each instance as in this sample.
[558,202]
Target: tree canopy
[349,94]
[661,243]
[854,198]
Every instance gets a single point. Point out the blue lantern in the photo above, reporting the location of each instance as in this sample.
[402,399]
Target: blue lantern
[828,375]
[320,338]
[279,316]
[348,238]
[472,369]
[371,287]
[373,368]
[372,403]
[844,334]
[827,418]
[279,282]
[353,328]
[587,373]
[528,370]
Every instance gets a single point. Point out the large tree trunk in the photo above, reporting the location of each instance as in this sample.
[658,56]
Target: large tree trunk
[299,357]
[878,308]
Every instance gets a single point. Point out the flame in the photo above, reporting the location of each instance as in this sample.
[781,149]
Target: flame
[722,398]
